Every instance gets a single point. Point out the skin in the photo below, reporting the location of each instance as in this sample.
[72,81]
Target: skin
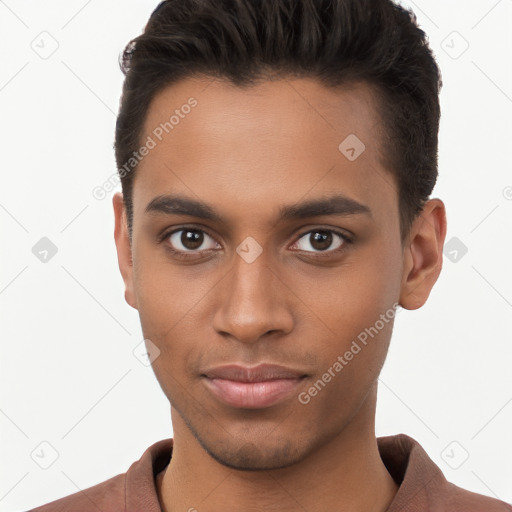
[247,152]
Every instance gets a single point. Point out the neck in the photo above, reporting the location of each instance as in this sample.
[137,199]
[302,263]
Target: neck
[345,474]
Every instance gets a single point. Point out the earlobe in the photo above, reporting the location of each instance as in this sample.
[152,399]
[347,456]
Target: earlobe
[124,250]
[423,256]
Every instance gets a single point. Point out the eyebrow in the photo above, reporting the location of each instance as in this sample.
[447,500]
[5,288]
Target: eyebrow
[331,205]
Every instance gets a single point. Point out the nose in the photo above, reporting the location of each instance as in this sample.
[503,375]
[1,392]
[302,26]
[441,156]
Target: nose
[252,302]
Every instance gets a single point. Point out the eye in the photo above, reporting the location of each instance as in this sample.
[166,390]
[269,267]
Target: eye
[321,240]
[190,240]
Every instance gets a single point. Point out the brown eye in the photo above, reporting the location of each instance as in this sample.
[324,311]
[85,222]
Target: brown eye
[191,239]
[321,240]
[187,239]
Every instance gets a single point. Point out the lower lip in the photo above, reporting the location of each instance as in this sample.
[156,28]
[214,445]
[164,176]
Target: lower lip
[252,395]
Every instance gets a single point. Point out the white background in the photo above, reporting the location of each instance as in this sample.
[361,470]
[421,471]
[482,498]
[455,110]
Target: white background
[68,374]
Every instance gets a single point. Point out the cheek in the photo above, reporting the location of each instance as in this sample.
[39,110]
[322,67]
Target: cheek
[351,309]
[166,293]
[348,298]
[171,305]
[162,305]
[350,362]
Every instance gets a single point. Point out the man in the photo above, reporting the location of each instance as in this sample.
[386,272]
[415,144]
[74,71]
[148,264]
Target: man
[277,158]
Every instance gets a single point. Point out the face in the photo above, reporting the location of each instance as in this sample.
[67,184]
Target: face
[265,230]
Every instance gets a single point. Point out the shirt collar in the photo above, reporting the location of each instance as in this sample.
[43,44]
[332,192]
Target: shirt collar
[412,469]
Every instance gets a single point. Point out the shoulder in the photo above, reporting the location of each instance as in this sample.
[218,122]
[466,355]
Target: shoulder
[461,500]
[133,490]
[422,484]
[107,495]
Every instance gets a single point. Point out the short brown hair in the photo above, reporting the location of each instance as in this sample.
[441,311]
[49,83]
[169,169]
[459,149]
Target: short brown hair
[334,41]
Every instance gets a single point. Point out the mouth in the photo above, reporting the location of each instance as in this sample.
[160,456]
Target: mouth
[252,387]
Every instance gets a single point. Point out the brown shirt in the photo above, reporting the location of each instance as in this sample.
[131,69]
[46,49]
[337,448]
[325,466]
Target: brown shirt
[422,485]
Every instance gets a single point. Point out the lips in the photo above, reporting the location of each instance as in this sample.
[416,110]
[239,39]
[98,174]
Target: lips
[260,373]
[252,387]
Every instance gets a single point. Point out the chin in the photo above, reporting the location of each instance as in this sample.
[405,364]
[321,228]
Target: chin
[251,458]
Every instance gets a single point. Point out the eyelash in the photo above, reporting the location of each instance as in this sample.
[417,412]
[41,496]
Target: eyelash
[315,255]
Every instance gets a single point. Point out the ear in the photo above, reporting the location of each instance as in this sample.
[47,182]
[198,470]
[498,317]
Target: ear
[423,255]
[124,249]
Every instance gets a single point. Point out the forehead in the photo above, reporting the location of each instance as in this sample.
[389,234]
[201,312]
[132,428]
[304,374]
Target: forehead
[263,145]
